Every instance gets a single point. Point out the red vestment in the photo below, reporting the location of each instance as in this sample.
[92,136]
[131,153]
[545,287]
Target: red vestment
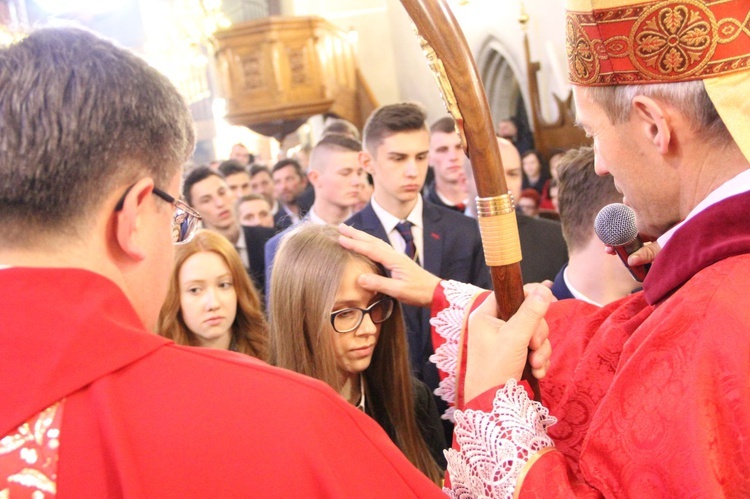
[652,392]
[144,417]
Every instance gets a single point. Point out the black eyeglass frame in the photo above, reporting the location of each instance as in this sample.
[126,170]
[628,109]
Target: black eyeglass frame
[363,312]
[177,203]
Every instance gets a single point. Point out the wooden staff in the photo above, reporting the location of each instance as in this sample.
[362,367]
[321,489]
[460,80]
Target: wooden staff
[455,71]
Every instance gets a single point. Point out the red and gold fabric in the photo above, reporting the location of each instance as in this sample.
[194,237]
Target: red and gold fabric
[651,393]
[29,455]
[623,42]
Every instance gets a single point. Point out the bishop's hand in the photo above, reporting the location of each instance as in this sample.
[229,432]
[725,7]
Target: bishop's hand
[497,350]
[409,283]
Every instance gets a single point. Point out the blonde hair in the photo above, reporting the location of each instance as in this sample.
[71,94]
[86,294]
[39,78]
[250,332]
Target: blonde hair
[249,329]
[307,272]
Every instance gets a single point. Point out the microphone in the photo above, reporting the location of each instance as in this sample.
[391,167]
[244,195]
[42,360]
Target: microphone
[615,226]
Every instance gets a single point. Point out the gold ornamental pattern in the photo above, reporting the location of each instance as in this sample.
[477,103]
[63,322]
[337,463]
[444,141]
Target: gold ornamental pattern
[28,456]
[673,40]
[658,42]
[582,61]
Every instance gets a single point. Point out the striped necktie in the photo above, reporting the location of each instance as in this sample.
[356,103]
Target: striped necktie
[404,228]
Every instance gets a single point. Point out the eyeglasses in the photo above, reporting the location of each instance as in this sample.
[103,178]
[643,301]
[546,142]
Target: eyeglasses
[349,319]
[185,220]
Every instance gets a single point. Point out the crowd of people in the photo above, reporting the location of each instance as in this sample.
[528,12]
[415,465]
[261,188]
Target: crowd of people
[325,326]
[379,360]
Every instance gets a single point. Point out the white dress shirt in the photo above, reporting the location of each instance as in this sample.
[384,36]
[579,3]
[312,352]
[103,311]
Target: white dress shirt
[390,221]
[314,218]
[241,247]
[448,202]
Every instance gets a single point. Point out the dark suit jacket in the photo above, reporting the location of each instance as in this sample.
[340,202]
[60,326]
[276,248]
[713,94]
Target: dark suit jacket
[452,250]
[543,248]
[306,199]
[281,220]
[432,196]
[559,288]
[425,411]
[255,239]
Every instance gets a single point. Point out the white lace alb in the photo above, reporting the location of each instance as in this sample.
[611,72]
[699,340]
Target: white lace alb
[496,446]
[448,324]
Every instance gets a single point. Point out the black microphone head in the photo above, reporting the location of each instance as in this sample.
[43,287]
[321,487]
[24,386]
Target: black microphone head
[615,225]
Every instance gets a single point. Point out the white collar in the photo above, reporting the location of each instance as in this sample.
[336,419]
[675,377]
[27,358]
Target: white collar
[573,291]
[736,185]
[447,201]
[293,216]
[315,218]
[361,404]
[241,243]
[390,221]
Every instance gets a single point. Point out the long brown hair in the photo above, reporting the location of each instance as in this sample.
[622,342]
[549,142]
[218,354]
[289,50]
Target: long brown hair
[249,329]
[307,271]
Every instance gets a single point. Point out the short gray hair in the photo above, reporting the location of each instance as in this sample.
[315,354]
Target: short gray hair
[689,98]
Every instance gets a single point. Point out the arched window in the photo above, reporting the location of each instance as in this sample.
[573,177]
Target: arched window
[500,77]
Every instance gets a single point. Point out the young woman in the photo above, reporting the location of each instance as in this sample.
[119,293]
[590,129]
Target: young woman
[211,301]
[549,191]
[325,326]
[535,173]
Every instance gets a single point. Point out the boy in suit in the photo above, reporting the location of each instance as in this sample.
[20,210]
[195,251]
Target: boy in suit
[445,242]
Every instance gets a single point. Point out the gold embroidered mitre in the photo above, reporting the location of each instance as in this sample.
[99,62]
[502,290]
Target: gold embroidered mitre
[637,42]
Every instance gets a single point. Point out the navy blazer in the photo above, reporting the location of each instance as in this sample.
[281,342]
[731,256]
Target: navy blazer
[452,250]
[281,220]
[255,239]
[559,288]
[269,254]
[431,195]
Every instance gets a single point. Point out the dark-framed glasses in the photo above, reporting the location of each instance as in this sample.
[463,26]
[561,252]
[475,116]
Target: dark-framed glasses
[185,220]
[349,319]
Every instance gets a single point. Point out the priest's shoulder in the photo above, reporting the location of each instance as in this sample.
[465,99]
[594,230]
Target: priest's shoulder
[231,374]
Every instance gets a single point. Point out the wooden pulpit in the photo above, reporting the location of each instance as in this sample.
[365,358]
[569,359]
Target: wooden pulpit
[279,71]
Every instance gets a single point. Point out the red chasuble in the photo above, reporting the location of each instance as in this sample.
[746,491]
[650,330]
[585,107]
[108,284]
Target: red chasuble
[143,417]
[652,392]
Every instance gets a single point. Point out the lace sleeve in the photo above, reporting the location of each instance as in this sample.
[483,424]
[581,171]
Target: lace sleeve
[495,447]
[448,324]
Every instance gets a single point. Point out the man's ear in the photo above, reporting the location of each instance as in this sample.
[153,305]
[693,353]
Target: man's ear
[366,160]
[130,221]
[655,122]
[313,176]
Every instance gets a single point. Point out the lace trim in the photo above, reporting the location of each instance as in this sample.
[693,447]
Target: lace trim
[495,446]
[448,324]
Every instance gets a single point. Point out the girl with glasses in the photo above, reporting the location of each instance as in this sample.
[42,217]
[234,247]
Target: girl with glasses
[324,325]
[211,301]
